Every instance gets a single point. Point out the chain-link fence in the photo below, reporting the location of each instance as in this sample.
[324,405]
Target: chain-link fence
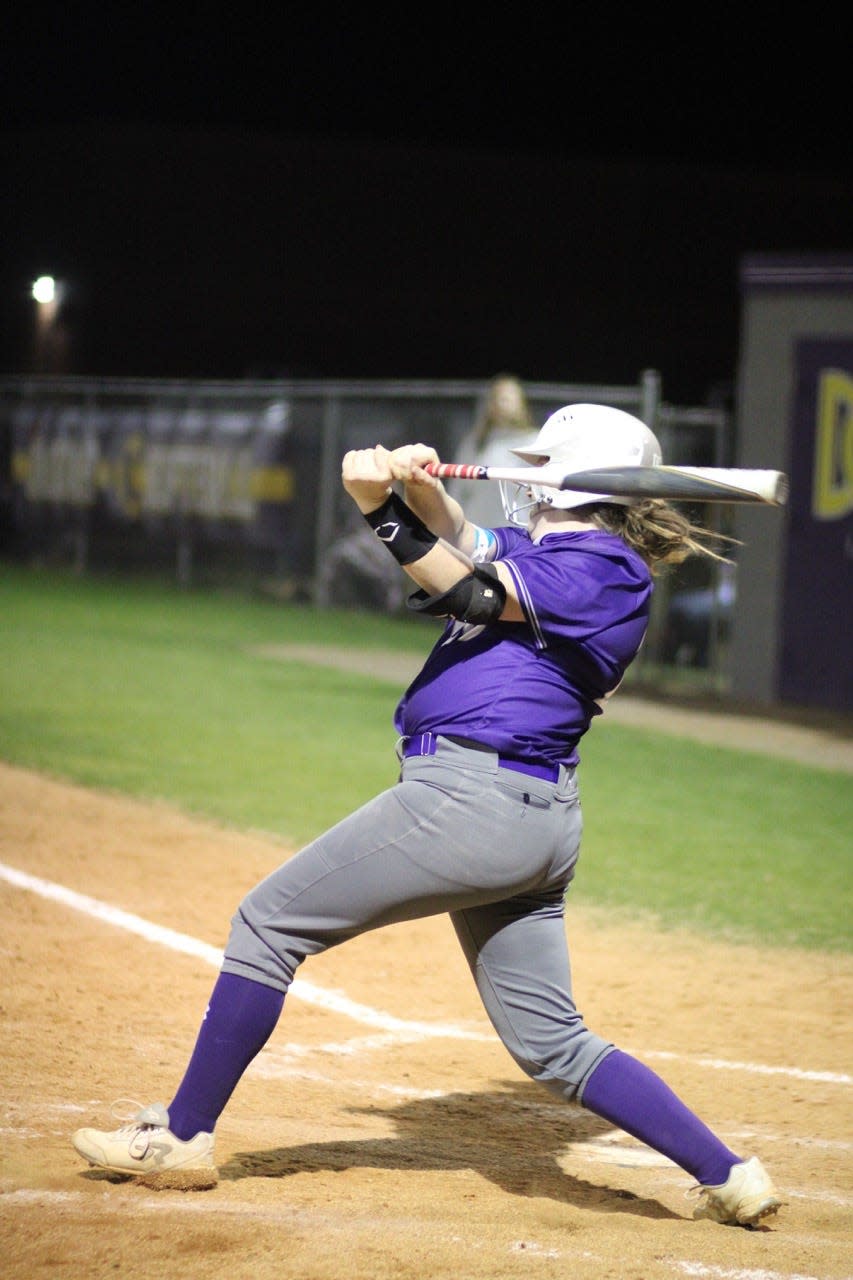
[207,477]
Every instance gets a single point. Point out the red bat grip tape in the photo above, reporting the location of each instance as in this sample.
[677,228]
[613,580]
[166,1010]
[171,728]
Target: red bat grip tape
[456,470]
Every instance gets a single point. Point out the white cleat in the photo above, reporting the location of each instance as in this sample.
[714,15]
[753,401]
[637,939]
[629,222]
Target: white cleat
[743,1199]
[147,1149]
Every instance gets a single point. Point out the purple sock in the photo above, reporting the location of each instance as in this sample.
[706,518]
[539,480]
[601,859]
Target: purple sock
[632,1097]
[240,1018]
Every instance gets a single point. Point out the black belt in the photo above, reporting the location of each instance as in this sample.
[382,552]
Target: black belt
[425,744]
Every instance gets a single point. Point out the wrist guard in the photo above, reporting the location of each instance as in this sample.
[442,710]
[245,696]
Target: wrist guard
[477,598]
[404,534]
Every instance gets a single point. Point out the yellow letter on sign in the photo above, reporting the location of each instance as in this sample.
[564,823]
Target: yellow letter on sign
[832,493]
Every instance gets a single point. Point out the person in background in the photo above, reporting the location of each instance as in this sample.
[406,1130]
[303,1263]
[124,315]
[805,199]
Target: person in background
[503,421]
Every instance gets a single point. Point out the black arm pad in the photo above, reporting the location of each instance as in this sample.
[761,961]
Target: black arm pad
[404,534]
[478,598]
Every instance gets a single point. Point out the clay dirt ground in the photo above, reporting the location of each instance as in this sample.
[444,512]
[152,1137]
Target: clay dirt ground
[385,1133]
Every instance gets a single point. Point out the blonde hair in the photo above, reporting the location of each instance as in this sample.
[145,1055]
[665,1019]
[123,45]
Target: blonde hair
[658,532]
[494,415]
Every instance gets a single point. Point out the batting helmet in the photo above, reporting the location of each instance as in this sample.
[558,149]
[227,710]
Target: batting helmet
[581,437]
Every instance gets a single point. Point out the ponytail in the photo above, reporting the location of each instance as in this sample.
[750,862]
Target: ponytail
[658,532]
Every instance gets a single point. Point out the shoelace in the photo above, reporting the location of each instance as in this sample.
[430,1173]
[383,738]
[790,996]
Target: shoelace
[139,1116]
[152,1113]
[142,1123]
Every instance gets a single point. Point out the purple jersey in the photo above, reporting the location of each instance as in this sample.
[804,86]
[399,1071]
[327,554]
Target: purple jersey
[530,689]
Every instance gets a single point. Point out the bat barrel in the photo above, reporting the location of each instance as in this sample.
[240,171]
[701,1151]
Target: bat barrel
[732,484]
[688,484]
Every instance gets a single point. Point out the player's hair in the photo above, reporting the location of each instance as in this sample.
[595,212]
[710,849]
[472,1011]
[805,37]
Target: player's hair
[658,532]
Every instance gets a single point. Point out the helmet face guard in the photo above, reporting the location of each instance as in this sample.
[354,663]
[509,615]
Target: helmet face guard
[580,437]
[521,500]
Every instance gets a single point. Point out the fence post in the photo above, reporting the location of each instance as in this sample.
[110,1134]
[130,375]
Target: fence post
[327,492]
[650,400]
[650,397]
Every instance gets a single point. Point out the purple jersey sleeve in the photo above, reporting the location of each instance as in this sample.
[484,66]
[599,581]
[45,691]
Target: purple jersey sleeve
[530,689]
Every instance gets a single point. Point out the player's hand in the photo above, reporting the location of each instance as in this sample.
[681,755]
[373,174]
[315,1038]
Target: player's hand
[367,476]
[408,461]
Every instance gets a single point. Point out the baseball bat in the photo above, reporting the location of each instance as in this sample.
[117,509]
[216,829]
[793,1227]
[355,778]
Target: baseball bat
[697,484]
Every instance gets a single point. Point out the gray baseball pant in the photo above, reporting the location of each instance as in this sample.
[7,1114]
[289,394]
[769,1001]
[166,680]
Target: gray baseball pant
[460,834]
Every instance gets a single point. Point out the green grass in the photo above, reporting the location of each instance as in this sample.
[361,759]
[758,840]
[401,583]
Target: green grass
[154,691]
[157,692]
[741,845]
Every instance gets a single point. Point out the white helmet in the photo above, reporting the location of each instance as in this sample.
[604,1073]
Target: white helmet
[581,437]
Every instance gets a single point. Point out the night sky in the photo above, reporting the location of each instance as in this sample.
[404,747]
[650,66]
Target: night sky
[564,201]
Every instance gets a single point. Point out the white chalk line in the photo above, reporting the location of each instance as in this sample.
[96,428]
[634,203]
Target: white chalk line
[38,1199]
[709,1271]
[763,1135]
[337,1002]
[720,1064]
[26,1196]
[324,998]
[617,1148]
[531,1249]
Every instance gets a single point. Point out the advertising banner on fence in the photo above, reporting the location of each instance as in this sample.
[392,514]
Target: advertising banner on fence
[227,473]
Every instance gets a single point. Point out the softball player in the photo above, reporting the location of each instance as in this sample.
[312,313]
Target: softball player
[543,616]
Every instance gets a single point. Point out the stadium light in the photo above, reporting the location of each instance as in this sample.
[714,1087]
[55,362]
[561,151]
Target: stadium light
[44,289]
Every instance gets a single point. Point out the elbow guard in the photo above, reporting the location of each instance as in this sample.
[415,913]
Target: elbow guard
[478,598]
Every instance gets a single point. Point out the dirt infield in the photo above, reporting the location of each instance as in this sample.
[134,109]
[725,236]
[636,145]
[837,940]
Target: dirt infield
[384,1131]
